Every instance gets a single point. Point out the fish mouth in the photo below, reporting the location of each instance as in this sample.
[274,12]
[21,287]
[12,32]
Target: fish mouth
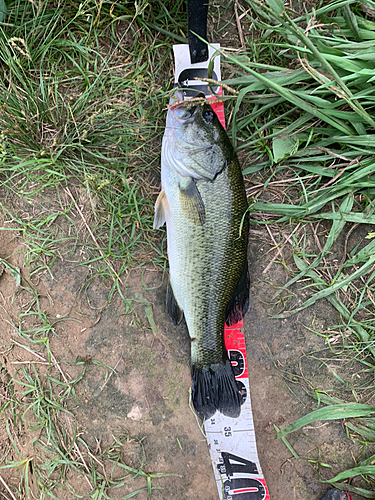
[181,110]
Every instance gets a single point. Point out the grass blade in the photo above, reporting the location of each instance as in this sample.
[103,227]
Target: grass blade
[335,412]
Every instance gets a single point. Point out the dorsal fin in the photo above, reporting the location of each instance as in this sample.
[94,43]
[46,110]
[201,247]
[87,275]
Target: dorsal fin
[239,303]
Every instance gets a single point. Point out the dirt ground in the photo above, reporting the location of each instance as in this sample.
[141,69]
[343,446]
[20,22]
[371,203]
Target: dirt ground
[148,396]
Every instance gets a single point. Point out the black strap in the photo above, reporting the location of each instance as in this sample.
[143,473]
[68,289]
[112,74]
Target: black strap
[197,23]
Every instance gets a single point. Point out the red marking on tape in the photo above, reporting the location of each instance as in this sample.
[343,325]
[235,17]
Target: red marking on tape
[246,490]
[263,481]
[234,340]
[218,107]
[267,495]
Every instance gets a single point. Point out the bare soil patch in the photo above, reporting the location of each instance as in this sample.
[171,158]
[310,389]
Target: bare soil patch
[135,387]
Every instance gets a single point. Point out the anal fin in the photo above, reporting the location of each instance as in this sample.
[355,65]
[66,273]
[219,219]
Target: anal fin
[173,309]
[239,303]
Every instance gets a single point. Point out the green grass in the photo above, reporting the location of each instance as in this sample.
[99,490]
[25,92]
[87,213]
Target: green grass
[83,91]
[82,96]
[79,102]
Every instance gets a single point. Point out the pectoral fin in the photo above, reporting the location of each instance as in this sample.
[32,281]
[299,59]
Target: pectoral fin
[191,202]
[161,209]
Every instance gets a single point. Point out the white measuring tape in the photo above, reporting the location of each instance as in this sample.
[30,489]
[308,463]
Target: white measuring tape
[231,441]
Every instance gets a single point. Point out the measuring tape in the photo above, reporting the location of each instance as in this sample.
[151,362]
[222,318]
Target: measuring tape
[231,441]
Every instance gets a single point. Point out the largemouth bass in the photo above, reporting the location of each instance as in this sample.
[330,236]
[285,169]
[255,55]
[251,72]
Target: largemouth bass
[203,203]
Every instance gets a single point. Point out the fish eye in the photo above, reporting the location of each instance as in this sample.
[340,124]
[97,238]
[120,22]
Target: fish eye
[208,115]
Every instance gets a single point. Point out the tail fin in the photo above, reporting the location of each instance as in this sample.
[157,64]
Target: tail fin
[215,388]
